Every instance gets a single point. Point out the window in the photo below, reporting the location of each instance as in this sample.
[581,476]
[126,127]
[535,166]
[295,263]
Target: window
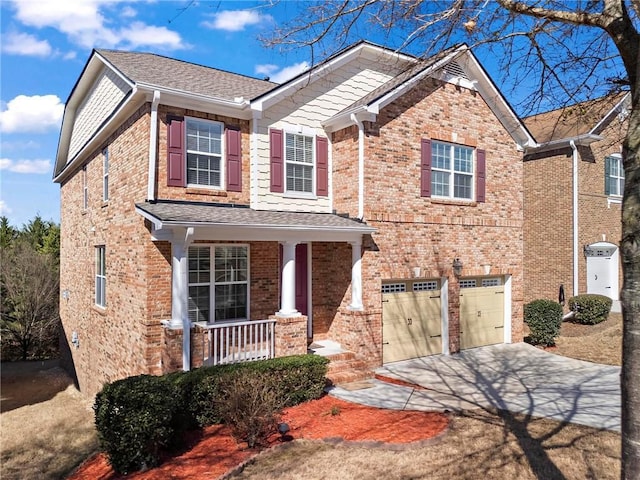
[105,174]
[425,286]
[491,282]
[613,175]
[85,189]
[204,153]
[299,163]
[101,277]
[218,290]
[471,283]
[451,171]
[394,287]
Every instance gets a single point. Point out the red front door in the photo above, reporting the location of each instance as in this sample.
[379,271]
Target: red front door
[302,293]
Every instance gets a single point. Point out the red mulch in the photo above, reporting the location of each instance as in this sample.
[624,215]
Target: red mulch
[216,452]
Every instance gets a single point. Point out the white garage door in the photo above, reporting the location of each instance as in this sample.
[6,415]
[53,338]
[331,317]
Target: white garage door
[411,320]
[481,312]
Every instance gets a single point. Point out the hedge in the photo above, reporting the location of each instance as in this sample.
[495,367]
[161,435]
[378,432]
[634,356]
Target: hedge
[590,308]
[544,318]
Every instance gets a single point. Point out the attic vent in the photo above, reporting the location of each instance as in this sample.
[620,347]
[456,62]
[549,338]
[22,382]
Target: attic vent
[455,70]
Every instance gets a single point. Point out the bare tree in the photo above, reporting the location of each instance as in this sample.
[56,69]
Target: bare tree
[29,283]
[563,52]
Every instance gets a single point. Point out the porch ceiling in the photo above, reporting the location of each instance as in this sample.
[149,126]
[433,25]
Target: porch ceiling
[234,222]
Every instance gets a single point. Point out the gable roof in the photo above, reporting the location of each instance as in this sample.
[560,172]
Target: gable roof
[168,73]
[576,120]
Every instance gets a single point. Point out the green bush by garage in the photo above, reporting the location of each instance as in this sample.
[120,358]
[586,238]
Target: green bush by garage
[544,318]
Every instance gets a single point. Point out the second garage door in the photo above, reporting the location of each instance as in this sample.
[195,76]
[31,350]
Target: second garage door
[411,320]
[481,312]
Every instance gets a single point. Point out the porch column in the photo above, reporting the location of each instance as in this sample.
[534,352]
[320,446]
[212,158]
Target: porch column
[356,276]
[180,293]
[288,293]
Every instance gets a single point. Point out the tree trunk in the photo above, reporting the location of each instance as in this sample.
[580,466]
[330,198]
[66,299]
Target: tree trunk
[630,248]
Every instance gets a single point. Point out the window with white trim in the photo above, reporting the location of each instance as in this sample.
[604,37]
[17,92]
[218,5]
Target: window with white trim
[204,152]
[105,174]
[613,176]
[452,172]
[218,283]
[101,276]
[85,189]
[299,159]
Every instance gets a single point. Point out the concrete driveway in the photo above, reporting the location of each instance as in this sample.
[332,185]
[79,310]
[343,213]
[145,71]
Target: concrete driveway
[518,378]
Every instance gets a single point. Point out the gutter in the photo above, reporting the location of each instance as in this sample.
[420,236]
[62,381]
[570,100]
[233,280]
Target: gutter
[153,146]
[575,215]
[582,140]
[358,122]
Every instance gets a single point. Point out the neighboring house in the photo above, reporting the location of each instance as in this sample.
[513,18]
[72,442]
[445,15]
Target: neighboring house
[372,204]
[573,185]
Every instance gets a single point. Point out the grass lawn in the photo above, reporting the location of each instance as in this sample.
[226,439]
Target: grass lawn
[47,429]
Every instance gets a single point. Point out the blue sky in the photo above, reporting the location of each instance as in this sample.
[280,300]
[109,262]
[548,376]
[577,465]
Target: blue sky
[45,44]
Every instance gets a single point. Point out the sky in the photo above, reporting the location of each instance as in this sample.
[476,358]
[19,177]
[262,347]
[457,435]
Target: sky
[44,46]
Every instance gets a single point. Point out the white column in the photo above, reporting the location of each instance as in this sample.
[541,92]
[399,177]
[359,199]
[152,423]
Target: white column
[288,294]
[356,276]
[180,293]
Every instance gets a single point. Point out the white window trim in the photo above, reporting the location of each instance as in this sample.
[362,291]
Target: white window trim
[616,197]
[212,284]
[452,172]
[105,175]
[101,273]
[223,146]
[306,132]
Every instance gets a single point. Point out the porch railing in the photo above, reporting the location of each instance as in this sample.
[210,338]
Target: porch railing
[235,342]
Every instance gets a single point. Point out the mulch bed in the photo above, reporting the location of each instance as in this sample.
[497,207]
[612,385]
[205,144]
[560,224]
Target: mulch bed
[216,452]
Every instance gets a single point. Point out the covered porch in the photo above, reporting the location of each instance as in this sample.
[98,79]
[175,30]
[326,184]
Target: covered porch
[247,284]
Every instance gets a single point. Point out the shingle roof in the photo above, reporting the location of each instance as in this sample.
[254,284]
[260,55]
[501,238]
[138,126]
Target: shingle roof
[175,74]
[571,121]
[216,214]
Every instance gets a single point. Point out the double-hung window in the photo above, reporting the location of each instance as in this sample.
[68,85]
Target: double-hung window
[452,172]
[299,163]
[613,176]
[101,277]
[105,174]
[218,283]
[204,153]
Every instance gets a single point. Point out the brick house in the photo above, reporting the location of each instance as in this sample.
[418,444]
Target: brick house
[573,185]
[371,205]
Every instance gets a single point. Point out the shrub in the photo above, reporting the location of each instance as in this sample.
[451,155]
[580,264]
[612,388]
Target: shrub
[544,318]
[250,405]
[590,308]
[135,420]
[300,378]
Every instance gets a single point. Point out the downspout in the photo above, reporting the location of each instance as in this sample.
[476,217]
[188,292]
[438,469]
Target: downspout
[575,216]
[360,165]
[153,147]
[253,158]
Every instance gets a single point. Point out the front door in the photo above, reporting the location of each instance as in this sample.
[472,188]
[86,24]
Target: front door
[302,284]
[602,269]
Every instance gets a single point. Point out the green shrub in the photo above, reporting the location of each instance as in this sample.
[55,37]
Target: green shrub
[250,405]
[300,378]
[135,419]
[544,318]
[590,308]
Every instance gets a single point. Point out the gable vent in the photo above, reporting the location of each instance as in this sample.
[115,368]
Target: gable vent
[455,70]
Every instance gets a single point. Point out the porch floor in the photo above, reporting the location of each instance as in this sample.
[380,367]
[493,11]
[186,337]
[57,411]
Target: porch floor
[326,348]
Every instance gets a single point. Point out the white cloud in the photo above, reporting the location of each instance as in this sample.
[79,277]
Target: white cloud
[4,208]
[236,20]
[289,72]
[37,113]
[25,44]
[266,69]
[87,24]
[25,166]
